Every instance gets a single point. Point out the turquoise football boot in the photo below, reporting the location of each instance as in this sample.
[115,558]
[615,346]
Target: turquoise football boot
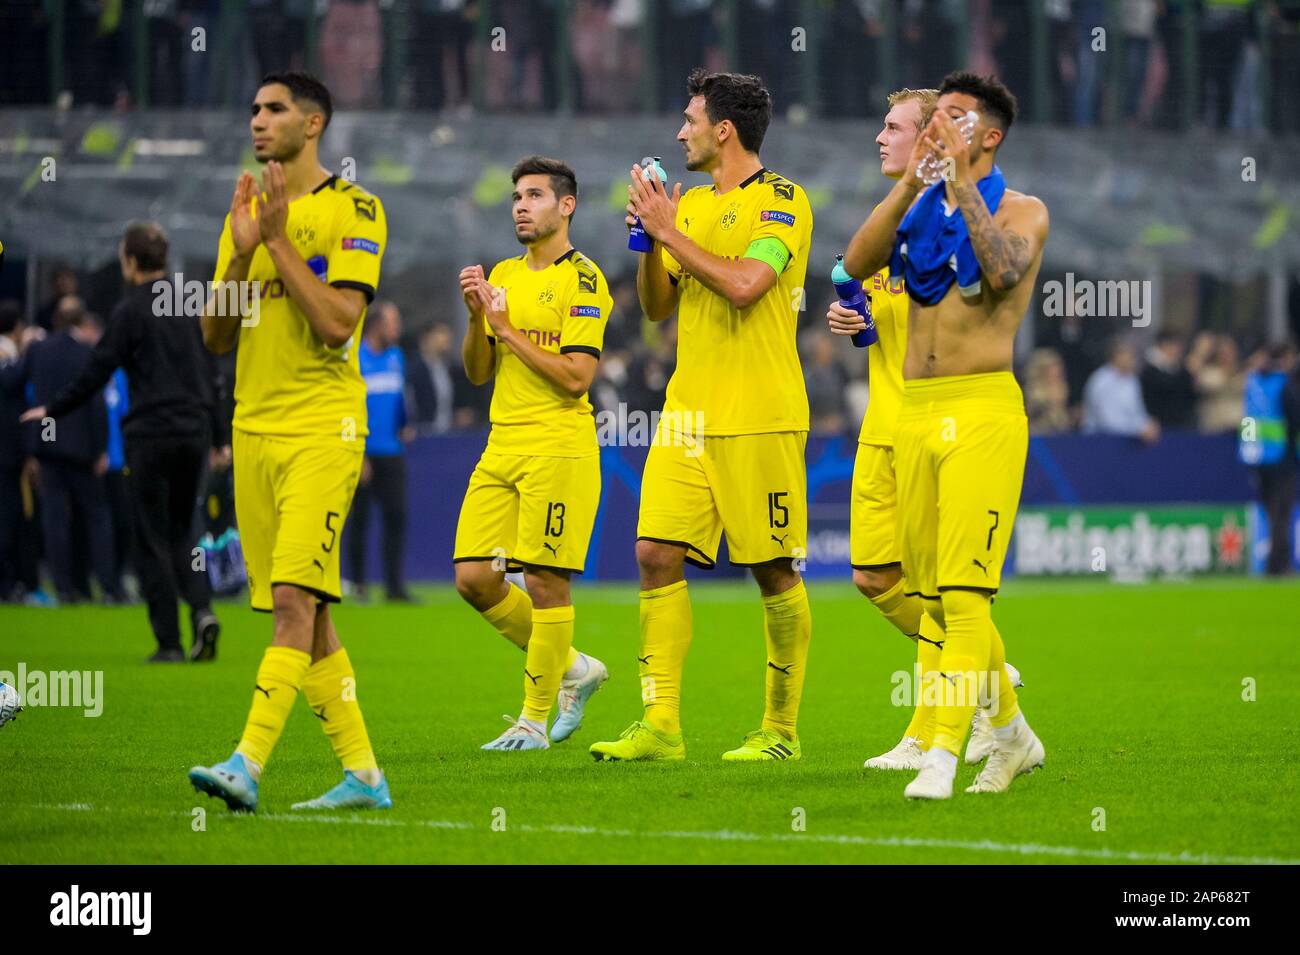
[229,781]
[352,793]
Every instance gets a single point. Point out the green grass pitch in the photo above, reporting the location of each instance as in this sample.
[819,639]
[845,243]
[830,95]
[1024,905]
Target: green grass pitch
[1136,691]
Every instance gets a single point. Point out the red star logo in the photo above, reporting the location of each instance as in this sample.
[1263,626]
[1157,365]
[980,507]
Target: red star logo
[1230,543]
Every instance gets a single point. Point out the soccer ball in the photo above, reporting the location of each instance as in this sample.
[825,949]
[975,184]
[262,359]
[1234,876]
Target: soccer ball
[10,704]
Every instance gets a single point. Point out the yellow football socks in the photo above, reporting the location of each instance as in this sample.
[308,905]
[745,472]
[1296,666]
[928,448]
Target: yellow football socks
[929,650]
[665,638]
[787,626]
[907,614]
[1007,707]
[278,678]
[549,648]
[513,617]
[962,665]
[331,691]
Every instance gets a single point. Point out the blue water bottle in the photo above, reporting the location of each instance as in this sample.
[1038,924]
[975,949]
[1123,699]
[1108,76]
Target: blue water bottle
[637,240]
[852,296]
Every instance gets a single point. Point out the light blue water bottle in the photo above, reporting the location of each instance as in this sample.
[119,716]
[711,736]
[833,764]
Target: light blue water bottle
[637,240]
[852,296]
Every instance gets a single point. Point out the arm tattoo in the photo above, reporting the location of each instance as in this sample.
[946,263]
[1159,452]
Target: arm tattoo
[1000,252]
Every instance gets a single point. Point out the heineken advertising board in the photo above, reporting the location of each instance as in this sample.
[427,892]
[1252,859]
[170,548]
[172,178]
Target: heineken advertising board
[1131,543]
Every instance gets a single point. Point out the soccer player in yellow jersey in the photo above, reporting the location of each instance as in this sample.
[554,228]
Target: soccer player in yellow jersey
[875,552]
[536,323]
[305,250]
[730,259]
[962,435]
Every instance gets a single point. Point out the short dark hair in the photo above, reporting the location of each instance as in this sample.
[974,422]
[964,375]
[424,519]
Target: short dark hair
[742,99]
[563,180]
[11,314]
[147,241]
[69,312]
[304,86]
[995,100]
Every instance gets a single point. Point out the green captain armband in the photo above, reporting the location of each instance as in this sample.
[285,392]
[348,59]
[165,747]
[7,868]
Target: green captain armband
[770,250]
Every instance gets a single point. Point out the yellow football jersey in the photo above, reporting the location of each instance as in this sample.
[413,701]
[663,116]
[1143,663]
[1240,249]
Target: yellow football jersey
[741,368]
[563,308]
[287,382]
[885,358]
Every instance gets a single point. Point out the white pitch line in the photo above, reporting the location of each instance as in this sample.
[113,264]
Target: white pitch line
[728,835]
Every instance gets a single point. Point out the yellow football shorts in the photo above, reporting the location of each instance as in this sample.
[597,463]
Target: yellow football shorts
[291,499]
[753,486]
[526,509]
[959,456]
[873,511]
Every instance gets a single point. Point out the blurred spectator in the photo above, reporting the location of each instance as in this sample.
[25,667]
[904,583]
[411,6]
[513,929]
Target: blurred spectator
[606,41]
[1063,66]
[351,48]
[1168,391]
[686,38]
[92,331]
[1137,20]
[849,47]
[199,15]
[164,46]
[650,371]
[1221,382]
[11,449]
[442,32]
[1112,398]
[763,45]
[70,456]
[383,470]
[1088,16]
[825,381]
[24,70]
[530,38]
[95,67]
[278,30]
[1225,27]
[1271,420]
[431,380]
[63,283]
[117,403]
[1284,52]
[1047,393]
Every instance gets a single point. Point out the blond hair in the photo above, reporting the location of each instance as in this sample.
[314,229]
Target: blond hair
[927,99]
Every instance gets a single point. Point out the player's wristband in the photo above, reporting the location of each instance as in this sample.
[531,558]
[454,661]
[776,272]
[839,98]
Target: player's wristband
[770,250]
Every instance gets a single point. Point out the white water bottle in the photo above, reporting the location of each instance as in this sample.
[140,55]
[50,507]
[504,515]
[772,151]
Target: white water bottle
[930,169]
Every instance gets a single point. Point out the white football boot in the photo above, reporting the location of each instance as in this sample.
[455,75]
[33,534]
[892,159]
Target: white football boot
[521,735]
[573,696]
[934,781]
[1022,753]
[908,754]
[981,730]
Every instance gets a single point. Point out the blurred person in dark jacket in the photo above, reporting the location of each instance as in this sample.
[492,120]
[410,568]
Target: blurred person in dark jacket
[172,432]
[432,380]
[70,456]
[13,571]
[1168,389]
